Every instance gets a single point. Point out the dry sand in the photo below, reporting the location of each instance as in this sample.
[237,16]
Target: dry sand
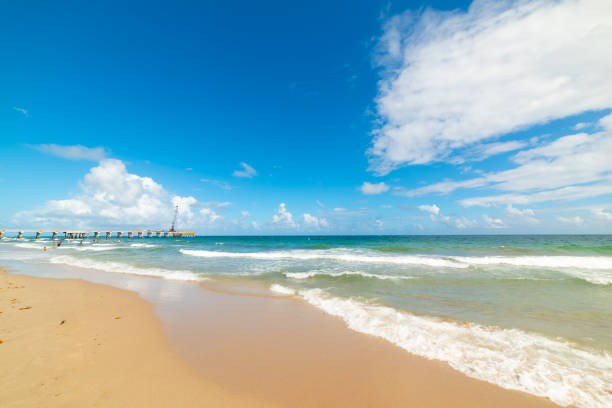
[225,350]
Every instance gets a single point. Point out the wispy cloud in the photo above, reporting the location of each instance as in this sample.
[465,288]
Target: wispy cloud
[374,188]
[431,104]
[247,171]
[218,183]
[569,168]
[24,111]
[73,152]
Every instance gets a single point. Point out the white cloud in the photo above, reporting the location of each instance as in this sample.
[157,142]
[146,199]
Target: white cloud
[255,225]
[376,188]
[245,214]
[320,204]
[209,216]
[339,209]
[527,212]
[247,171]
[485,150]
[111,197]
[580,125]
[493,222]
[571,220]
[74,152]
[24,111]
[313,221]
[218,183]
[571,167]
[456,79]
[600,213]
[283,217]
[432,209]
[217,204]
[454,222]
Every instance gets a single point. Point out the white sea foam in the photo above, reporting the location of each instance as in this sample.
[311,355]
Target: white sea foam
[118,267]
[593,269]
[510,358]
[142,245]
[29,246]
[306,255]
[582,262]
[89,248]
[282,289]
[312,274]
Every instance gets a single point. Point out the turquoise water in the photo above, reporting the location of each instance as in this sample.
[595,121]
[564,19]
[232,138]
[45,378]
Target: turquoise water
[525,312]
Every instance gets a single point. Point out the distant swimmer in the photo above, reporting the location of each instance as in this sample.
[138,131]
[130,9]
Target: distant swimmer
[81,243]
[59,244]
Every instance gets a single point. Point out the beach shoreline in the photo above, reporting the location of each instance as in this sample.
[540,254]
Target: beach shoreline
[211,348]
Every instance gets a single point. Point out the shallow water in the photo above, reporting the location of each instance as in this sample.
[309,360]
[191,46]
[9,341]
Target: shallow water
[525,312]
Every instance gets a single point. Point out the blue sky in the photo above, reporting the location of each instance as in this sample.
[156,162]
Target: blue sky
[352,117]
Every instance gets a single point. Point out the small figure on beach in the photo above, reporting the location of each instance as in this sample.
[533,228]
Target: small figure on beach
[81,243]
[44,249]
[59,243]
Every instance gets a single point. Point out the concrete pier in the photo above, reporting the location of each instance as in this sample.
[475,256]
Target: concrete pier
[84,234]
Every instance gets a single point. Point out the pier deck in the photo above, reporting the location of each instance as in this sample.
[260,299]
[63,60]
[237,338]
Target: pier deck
[101,233]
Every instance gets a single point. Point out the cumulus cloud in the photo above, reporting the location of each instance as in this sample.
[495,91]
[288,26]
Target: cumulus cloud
[432,209]
[111,197]
[246,172]
[245,214]
[283,217]
[74,152]
[454,80]
[313,221]
[374,188]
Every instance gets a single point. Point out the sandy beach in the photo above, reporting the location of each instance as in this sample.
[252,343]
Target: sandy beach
[68,342]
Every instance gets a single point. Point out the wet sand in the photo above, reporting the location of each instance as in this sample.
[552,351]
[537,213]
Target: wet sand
[207,348]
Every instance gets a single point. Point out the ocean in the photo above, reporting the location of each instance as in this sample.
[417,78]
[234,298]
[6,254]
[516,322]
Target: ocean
[525,312]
